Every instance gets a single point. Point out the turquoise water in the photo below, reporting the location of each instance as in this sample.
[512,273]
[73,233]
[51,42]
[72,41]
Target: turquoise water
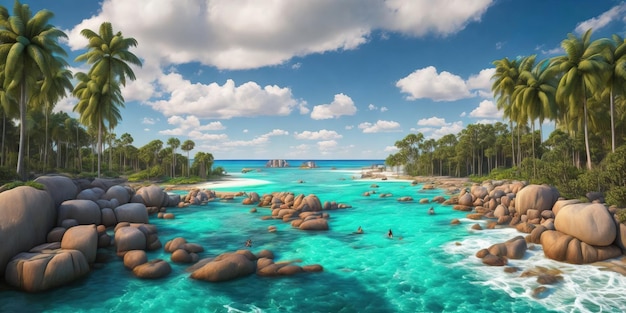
[432,267]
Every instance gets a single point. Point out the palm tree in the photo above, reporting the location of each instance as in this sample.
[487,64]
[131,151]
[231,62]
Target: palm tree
[616,58]
[28,46]
[59,83]
[536,95]
[108,53]
[187,146]
[174,143]
[583,67]
[92,106]
[504,80]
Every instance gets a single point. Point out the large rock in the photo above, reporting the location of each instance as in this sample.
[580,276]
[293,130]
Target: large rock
[314,224]
[134,258]
[154,269]
[538,197]
[42,271]
[132,213]
[310,203]
[92,194]
[26,217]
[60,188]
[565,248]
[129,238]
[152,195]
[118,192]
[514,248]
[225,267]
[83,211]
[589,222]
[83,238]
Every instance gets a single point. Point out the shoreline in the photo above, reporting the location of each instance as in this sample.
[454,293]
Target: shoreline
[228,181]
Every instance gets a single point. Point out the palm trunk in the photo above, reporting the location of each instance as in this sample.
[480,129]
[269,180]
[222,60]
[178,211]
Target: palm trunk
[99,146]
[4,124]
[586,135]
[512,143]
[612,123]
[45,152]
[20,154]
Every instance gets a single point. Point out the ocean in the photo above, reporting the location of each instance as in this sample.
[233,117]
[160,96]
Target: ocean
[428,266]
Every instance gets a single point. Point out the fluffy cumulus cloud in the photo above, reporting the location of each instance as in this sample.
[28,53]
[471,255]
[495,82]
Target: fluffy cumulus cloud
[247,34]
[436,128]
[380,126]
[318,135]
[486,109]
[427,83]
[256,141]
[221,101]
[432,122]
[481,82]
[341,105]
[191,126]
[595,23]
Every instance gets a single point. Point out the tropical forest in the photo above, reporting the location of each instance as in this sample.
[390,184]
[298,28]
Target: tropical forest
[580,94]
[35,138]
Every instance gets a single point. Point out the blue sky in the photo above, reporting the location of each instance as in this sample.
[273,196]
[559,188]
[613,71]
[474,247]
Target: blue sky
[319,79]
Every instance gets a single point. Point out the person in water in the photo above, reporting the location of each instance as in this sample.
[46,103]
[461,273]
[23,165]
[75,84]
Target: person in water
[390,234]
[360,230]
[249,243]
[431,211]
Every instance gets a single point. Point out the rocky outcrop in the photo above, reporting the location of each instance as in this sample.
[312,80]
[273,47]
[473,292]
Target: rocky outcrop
[226,266]
[26,217]
[83,211]
[41,271]
[152,196]
[565,248]
[60,188]
[132,213]
[590,223]
[537,197]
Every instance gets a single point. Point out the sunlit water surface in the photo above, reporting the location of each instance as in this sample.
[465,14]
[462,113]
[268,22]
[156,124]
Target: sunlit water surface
[428,266]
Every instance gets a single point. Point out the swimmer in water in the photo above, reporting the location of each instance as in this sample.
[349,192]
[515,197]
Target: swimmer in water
[360,230]
[249,243]
[431,211]
[390,234]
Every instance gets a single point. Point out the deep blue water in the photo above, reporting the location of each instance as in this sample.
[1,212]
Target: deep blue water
[429,265]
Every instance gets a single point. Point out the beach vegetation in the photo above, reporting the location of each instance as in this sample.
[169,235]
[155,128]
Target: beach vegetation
[581,91]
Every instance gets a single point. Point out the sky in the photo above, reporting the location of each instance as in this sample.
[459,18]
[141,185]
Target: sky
[319,79]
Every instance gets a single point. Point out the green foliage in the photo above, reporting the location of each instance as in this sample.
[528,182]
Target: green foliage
[7,175]
[154,172]
[29,183]
[621,215]
[184,180]
[218,171]
[617,196]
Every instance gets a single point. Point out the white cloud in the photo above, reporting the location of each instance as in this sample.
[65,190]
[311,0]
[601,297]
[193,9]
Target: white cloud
[432,121]
[148,121]
[258,141]
[318,135]
[326,146]
[196,135]
[481,81]
[437,127]
[341,105]
[245,131]
[66,104]
[303,108]
[486,121]
[221,102]
[486,108]
[595,23]
[391,149]
[380,126]
[427,83]
[348,127]
[372,107]
[384,109]
[234,35]
[452,128]
[296,66]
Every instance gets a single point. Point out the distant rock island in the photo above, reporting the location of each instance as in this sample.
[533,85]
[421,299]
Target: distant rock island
[308,164]
[277,163]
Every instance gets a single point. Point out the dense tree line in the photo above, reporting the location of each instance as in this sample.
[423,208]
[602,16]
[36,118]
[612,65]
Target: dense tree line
[582,92]
[34,76]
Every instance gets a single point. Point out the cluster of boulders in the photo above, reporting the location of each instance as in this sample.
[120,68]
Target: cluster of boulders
[231,265]
[53,236]
[570,231]
[304,212]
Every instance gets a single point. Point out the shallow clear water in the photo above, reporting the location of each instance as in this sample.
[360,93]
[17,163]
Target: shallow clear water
[429,265]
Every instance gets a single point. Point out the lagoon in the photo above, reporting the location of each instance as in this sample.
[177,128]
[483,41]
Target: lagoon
[428,266]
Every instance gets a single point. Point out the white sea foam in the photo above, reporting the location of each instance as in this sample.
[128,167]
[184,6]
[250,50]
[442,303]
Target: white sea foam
[584,288]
